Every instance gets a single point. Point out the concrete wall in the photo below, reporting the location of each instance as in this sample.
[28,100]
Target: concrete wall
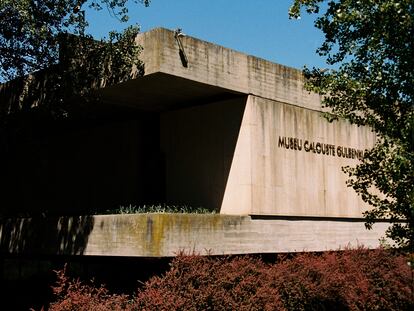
[231,156]
[303,180]
[261,157]
[158,235]
[288,161]
[198,144]
[167,234]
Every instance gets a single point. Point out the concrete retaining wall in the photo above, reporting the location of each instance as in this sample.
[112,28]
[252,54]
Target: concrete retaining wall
[157,235]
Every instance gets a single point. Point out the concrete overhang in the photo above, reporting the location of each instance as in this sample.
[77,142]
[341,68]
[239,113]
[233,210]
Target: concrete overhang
[210,72]
[215,66]
[160,91]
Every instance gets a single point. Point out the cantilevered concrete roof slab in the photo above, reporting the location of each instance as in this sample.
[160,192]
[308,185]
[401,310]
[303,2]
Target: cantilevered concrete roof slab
[208,71]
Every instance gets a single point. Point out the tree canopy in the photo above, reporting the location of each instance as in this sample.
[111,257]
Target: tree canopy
[31,30]
[371,44]
[54,63]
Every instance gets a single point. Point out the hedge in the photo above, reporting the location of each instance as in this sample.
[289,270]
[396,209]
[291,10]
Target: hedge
[358,279]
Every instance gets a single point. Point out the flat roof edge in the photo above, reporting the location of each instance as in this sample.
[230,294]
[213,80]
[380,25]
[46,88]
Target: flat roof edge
[219,66]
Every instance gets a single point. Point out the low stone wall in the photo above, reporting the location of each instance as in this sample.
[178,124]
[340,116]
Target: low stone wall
[161,235]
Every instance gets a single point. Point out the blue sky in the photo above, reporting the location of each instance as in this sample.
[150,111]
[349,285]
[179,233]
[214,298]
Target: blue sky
[257,27]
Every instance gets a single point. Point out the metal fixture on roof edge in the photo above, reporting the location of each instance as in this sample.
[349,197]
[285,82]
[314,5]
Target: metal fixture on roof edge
[178,34]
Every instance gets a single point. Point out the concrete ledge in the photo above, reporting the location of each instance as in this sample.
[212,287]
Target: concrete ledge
[161,235]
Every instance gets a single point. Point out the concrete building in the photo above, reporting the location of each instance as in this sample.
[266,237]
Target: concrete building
[205,126]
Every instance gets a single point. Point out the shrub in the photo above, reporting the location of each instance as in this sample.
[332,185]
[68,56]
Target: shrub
[74,295]
[357,279]
[208,283]
[349,280]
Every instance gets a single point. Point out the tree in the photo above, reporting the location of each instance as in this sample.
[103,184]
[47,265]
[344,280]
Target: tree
[50,35]
[31,29]
[371,44]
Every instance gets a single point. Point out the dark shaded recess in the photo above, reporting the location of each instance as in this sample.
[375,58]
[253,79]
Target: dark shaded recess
[76,166]
[26,281]
[161,92]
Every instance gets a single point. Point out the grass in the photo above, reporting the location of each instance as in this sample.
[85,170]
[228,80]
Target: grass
[159,208]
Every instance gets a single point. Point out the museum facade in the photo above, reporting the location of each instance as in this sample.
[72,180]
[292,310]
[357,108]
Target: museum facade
[206,126]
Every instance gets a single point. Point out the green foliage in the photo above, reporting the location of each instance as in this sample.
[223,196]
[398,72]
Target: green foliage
[57,65]
[371,43]
[159,208]
[30,30]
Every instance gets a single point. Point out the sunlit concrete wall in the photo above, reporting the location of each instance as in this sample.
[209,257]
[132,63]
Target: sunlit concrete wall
[267,152]
[289,161]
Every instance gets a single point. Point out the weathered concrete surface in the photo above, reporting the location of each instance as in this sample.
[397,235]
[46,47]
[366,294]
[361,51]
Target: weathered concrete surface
[157,235]
[279,178]
[215,65]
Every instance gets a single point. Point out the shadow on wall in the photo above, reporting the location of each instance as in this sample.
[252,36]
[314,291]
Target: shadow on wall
[199,145]
[41,235]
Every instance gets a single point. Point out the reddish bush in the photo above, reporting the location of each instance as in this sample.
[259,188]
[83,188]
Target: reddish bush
[208,283]
[345,280]
[349,280]
[75,295]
